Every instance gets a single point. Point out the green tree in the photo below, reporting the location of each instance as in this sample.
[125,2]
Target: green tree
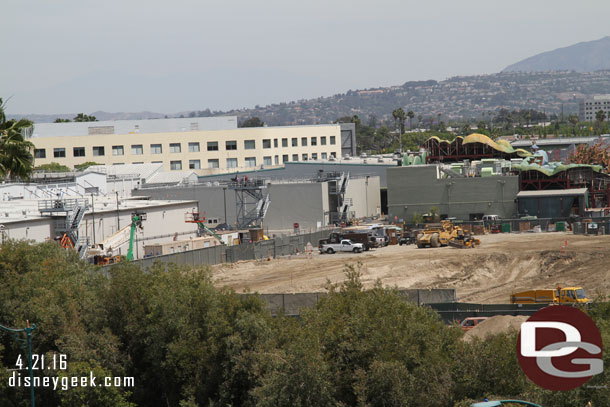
[53,167]
[252,122]
[85,165]
[81,117]
[60,120]
[16,159]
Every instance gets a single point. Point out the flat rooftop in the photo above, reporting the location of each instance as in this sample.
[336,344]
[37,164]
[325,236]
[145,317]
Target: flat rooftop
[20,210]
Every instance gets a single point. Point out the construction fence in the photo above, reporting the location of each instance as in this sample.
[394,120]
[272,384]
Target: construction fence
[291,304]
[273,248]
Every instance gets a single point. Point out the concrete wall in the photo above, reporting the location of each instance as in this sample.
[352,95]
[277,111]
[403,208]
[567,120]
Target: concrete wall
[301,203]
[417,189]
[38,230]
[365,196]
[309,170]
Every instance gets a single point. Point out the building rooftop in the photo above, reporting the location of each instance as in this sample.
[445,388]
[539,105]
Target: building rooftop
[134,126]
[22,209]
[552,192]
[558,141]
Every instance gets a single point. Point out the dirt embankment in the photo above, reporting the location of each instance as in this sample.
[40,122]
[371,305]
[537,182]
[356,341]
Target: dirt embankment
[502,264]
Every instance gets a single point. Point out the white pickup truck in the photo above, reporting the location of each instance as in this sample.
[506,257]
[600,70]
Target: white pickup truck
[344,246]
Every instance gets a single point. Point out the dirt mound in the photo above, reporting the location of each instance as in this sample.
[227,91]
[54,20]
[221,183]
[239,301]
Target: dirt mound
[495,325]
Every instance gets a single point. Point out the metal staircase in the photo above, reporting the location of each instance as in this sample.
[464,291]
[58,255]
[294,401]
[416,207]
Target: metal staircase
[69,214]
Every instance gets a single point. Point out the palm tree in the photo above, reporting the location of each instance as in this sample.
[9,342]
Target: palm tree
[573,119]
[411,115]
[600,116]
[16,159]
[400,116]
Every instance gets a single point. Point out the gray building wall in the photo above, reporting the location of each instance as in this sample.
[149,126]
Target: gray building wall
[417,189]
[309,170]
[302,203]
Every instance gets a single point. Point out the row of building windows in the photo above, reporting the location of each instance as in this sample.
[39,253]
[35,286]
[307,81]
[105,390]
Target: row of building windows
[138,149]
[176,165]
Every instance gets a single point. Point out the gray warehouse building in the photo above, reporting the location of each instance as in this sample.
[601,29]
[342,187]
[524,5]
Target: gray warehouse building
[416,189]
[308,203]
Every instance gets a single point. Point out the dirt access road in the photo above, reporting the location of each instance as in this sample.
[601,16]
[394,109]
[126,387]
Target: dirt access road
[488,274]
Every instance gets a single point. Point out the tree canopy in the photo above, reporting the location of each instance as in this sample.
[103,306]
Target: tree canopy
[16,159]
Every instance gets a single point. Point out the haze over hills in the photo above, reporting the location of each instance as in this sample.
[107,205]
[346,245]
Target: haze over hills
[553,82]
[582,57]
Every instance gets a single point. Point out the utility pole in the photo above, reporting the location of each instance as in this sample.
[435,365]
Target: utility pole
[93,217]
[118,214]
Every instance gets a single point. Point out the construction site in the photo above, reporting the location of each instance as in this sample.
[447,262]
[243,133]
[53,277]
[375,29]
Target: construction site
[473,215]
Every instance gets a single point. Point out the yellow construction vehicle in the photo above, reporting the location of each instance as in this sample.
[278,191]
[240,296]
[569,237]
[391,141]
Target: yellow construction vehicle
[447,234]
[560,295]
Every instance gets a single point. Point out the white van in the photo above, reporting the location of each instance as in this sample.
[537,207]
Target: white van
[490,218]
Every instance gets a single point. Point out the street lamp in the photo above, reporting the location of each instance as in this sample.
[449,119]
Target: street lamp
[28,330]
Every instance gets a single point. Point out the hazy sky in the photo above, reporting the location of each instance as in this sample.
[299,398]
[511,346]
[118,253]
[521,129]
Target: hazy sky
[65,56]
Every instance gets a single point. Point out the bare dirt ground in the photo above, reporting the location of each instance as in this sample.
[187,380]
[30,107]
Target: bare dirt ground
[503,263]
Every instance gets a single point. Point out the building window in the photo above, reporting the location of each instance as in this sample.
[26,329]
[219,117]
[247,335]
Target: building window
[332,140]
[175,148]
[285,158]
[314,141]
[276,160]
[175,165]
[138,162]
[213,146]
[267,160]
[196,164]
[118,163]
[59,153]
[98,151]
[249,144]
[40,153]
[284,142]
[274,143]
[267,143]
[324,156]
[304,141]
[157,162]
[314,156]
[80,151]
[137,149]
[333,154]
[194,147]
[213,163]
[156,149]
[250,161]
[304,157]
[118,150]
[295,157]
[231,145]
[323,140]
[295,142]
[231,162]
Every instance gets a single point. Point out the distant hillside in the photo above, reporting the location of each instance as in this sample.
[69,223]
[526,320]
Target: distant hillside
[460,97]
[582,57]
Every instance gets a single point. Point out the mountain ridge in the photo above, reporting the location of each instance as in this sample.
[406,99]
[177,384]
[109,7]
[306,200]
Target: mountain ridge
[586,56]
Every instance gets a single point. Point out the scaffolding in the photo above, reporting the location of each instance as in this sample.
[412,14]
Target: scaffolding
[251,202]
[68,214]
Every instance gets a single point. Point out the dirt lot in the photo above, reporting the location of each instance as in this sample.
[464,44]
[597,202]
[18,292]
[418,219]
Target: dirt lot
[488,274]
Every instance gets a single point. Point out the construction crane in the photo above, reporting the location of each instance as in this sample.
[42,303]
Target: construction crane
[103,253]
[199,218]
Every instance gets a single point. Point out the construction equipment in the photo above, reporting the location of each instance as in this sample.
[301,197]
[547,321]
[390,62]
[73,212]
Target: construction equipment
[199,218]
[104,252]
[447,234]
[68,214]
[560,295]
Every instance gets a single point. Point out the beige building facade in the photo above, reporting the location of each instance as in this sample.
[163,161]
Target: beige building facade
[229,150]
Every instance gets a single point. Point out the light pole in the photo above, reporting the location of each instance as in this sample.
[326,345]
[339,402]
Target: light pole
[28,330]
[224,196]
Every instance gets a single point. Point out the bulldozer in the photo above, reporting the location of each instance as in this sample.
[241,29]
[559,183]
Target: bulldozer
[447,234]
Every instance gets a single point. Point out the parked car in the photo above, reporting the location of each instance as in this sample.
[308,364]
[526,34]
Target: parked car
[346,245]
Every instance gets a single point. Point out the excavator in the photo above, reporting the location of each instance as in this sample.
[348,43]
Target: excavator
[103,253]
[447,234]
